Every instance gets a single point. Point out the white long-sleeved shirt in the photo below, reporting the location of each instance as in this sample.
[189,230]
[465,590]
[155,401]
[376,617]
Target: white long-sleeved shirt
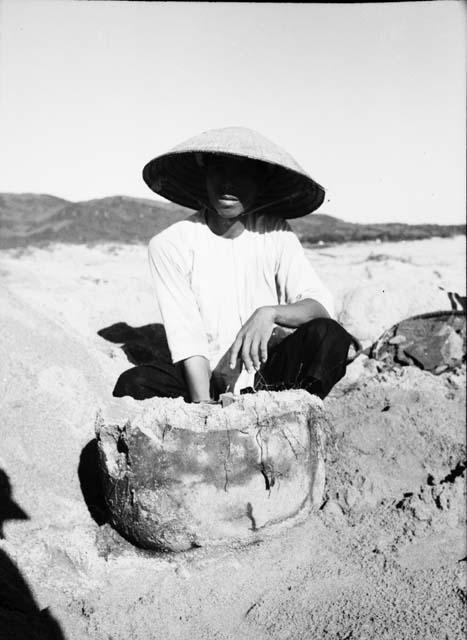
[207,286]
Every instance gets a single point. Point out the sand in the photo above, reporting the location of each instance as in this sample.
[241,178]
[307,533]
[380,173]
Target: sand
[384,556]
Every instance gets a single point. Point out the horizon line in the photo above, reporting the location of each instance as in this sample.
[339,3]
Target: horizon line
[158,200]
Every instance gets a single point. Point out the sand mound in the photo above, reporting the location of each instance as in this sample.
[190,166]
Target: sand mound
[50,387]
[394,433]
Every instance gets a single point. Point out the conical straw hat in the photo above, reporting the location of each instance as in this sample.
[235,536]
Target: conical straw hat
[178,176]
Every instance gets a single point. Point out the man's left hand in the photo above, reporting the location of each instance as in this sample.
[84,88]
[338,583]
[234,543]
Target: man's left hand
[251,343]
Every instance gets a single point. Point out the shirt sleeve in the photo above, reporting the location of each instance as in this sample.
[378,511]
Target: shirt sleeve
[182,320]
[295,277]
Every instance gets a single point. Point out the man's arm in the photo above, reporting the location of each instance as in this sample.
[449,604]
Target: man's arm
[251,343]
[298,313]
[198,375]
[180,314]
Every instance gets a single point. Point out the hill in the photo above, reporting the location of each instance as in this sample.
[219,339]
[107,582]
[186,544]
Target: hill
[323,228]
[39,219]
[112,219]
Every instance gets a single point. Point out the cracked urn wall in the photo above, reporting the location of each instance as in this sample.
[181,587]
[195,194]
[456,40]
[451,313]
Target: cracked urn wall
[180,475]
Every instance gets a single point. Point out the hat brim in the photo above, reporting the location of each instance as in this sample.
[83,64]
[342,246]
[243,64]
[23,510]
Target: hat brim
[178,177]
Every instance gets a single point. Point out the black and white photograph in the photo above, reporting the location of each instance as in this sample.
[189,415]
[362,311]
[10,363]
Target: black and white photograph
[232,320]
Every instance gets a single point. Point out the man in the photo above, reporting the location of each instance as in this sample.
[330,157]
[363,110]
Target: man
[242,307]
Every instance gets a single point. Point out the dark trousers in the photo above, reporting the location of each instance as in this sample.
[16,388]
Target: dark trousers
[313,357]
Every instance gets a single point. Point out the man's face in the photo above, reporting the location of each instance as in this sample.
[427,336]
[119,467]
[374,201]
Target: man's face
[232,184]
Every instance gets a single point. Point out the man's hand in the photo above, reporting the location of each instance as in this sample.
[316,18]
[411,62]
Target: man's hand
[251,343]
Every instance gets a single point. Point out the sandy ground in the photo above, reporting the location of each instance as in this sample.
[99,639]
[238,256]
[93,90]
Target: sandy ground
[383,558]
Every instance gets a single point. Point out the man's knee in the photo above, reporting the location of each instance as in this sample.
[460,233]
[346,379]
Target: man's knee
[324,328]
[149,381]
[132,383]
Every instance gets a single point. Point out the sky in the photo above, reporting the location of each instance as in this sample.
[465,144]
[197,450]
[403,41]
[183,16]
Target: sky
[368,98]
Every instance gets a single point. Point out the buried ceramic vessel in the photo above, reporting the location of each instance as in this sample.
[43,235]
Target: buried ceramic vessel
[183,475]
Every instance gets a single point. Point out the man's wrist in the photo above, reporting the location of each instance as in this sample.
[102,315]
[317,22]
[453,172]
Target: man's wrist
[273,311]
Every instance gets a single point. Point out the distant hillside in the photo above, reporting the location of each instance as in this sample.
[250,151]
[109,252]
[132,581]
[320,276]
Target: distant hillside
[322,228]
[37,219]
[20,211]
[113,219]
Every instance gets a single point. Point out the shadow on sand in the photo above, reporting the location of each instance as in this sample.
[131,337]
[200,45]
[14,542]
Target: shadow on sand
[90,482]
[141,345]
[20,617]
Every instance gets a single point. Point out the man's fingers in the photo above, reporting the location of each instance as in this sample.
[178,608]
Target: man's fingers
[234,349]
[246,354]
[254,353]
[263,350]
